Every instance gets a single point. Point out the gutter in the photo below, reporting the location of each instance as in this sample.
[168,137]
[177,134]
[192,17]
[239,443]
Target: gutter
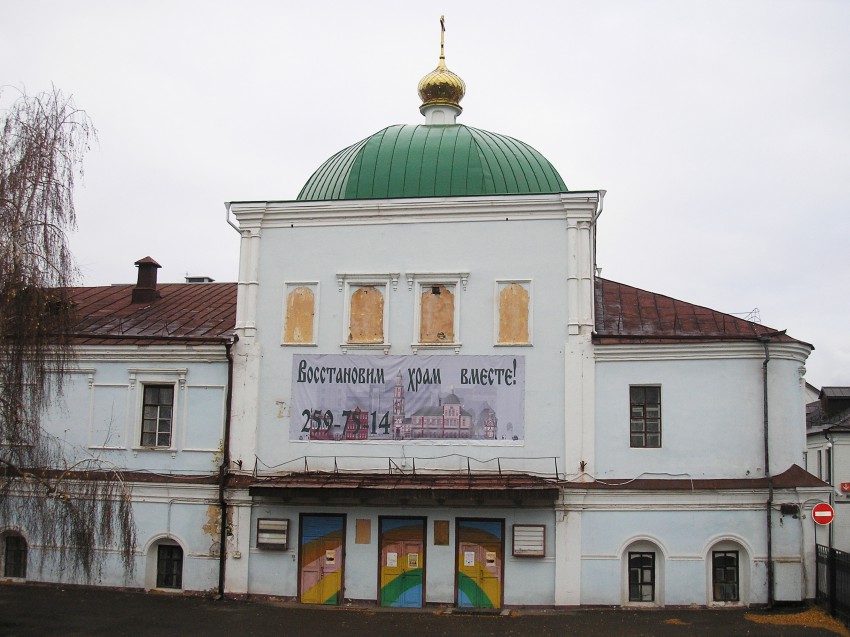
[765,341]
[224,469]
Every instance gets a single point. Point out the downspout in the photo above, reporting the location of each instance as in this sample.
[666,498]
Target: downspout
[224,469]
[765,340]
[227,217]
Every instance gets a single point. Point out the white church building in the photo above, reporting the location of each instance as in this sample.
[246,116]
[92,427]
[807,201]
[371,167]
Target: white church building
[437,401]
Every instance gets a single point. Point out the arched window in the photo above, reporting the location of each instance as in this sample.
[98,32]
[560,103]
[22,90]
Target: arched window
[14,556]
[728,564]
[300,315]
[513,314]
[366,310]
[437,306]
[169,566]
[643,566]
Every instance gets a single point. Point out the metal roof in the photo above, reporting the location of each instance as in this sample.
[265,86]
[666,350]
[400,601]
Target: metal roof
[793,477]
[185,311]
[626,314]
[432,161]
[835,392]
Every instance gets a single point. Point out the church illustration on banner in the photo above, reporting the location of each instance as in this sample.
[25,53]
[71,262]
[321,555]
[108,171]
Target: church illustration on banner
[446,420]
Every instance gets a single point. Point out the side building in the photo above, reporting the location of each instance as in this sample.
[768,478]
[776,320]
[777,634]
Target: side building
[146,397]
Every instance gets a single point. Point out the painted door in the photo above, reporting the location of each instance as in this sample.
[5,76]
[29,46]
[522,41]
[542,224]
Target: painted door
[402,562]
[321,556]
[480,559]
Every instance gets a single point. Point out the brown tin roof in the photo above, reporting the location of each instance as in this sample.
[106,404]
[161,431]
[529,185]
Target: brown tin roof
[626,314]
[188,312]
[408,481]
[793,477]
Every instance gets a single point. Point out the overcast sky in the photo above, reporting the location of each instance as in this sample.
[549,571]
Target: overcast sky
[720,129]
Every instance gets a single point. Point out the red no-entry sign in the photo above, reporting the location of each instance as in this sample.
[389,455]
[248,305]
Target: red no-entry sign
[822,513]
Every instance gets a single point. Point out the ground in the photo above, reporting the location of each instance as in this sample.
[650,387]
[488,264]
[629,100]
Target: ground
[30,611]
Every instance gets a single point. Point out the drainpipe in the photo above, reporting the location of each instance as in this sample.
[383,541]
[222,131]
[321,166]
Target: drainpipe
[765,340]
[224,469]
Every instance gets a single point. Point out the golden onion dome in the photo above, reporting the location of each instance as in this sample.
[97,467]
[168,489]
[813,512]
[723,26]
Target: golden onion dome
[441,86]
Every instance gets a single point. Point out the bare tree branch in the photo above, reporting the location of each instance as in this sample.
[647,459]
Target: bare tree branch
[74,511]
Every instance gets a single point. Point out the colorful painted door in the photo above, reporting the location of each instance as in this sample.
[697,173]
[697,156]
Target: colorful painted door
[322,543]
[480,553]
[402,561]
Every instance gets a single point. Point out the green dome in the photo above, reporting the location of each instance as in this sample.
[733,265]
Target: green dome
[432,161]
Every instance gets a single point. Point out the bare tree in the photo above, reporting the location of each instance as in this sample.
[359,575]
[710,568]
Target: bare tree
[72,506]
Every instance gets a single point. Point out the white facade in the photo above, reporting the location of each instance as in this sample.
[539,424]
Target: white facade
[576,410]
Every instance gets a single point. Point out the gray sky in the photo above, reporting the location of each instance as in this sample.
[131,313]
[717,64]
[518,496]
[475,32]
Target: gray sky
[720,129]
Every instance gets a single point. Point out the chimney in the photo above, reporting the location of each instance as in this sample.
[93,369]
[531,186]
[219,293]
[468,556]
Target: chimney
[145,290]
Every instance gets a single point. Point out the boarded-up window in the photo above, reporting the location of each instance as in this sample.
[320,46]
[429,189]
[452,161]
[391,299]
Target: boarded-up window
[437,314]
[363,531]
[441,532]
[513,314]
[300,310]
[366,321]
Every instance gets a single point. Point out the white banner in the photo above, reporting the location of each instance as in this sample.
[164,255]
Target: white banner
[360,398]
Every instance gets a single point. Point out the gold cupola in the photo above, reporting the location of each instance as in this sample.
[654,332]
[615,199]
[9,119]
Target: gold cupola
[441,90]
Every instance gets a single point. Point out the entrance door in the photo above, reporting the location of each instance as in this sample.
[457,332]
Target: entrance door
[480,568]
[402,561]
[320,558]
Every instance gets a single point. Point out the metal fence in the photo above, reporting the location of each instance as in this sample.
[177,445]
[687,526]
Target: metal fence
[833,580]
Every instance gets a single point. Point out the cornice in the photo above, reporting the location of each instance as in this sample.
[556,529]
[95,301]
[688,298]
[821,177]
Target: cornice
[287,214]
[797,351]
[151,353]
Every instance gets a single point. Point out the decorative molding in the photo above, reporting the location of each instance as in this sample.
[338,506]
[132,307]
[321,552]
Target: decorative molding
[289,214]
[699,351]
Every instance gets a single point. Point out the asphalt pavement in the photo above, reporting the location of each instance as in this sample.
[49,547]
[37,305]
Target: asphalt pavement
[40,611]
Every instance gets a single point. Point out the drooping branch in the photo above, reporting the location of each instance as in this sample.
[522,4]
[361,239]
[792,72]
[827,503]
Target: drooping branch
[43,140]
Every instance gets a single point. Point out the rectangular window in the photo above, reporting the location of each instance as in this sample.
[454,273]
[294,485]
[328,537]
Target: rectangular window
[169,566]
[828,466]
[641,577]
[645,418]
[157,415]
[724,569]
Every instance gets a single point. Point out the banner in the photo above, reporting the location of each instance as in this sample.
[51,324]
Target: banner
[360,398]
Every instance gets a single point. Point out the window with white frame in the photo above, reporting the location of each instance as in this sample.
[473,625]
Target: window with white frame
[159,400]
[299,312]
[366,310]
[436,319]
[157,415]
[513,312]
